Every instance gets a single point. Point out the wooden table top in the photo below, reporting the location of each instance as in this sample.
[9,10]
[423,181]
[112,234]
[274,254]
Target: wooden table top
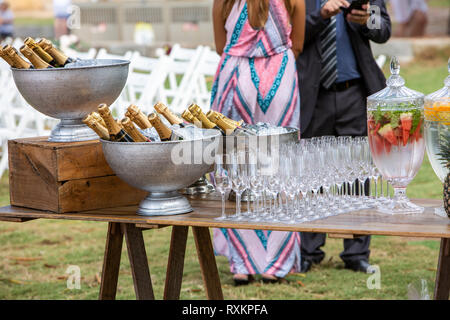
[363,222]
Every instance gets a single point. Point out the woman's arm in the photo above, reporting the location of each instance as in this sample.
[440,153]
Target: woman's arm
[298,26]
[220,34]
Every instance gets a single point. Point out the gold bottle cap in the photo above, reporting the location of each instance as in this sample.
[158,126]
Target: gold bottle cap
[58,55]
[164,132]
[98,118]
[92,123]
[5,57]
[138,117]
[38,50]
[131,129]
[197,112]
[186,115]
[37,62]
[169,115]
[14,56]
[111,124]
[221,123]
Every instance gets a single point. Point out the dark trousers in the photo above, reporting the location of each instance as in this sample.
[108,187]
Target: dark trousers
[341,114]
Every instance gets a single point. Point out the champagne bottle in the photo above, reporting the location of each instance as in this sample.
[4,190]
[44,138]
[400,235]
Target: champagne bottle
[131,129]
[35,60]
[5,57]
[40,52]
[187,115]
[138,117]
[116,133]
[98,118]
[165,133]
[229,128]
[210,115]
[60,58]
[168,114]
[15,58]
[95,125]
[198,113]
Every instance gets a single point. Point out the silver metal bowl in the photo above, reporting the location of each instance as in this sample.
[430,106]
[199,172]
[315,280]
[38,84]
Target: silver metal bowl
[157,167]
[72,92]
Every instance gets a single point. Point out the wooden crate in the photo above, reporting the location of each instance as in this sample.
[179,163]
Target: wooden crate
[65,177]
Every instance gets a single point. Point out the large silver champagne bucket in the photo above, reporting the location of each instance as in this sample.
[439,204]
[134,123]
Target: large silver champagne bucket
[162,168]
[71,93]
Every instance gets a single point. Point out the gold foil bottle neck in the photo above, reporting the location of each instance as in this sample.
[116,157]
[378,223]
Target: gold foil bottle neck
[138,117]
[111,124]
[14,56]
[98,128]
[37,62]
[169,115]
[60,58]
[130,128]
[164,132]
[198,113]
[38,50]
[5,57]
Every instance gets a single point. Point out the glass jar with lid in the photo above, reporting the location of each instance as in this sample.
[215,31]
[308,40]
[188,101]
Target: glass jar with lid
[395,132]
[437,133]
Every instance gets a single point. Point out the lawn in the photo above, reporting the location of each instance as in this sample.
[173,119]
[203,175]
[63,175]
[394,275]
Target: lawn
[35,255]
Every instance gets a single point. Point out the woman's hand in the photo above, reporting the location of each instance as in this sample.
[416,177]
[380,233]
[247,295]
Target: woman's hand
[360,16]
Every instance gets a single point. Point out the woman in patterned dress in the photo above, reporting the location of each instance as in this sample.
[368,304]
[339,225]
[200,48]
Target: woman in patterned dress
[256,81]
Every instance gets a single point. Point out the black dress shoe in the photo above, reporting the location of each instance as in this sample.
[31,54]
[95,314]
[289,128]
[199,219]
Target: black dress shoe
[359,265]
[305,265]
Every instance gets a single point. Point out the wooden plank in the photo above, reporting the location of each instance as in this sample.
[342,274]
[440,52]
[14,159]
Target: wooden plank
[208,266]
[92,193]
[138,262]
[81,161]
[442,287]
[150,226]
[111,262]
[32,176]
[366,222]
[175,265]
[16,219]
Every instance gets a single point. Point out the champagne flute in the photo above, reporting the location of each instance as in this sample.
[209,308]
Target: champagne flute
[222,181]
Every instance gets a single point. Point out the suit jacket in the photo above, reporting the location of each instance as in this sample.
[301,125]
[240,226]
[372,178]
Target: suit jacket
[309,61]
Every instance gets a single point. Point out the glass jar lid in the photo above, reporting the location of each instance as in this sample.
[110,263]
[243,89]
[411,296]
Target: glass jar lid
[443,94]
[395,95]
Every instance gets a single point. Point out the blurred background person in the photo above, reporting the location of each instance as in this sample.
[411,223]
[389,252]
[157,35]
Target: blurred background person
[410,16]
[61,14]
[6,21]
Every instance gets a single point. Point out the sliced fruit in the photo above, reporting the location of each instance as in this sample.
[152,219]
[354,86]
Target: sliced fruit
[406,120]
[377,144]
[416,133]
[387,133]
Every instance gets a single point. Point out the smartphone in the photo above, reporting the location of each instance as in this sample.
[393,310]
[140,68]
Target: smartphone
[355,4]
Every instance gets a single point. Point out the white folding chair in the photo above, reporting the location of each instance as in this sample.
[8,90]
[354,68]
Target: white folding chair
[183,63]
[103,54]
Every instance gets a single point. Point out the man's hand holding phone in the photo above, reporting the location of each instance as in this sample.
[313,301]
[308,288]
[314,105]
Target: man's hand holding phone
[332,8]
[359,16]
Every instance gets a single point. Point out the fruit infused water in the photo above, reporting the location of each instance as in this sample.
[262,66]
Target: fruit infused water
[437,137]
[397,143]
[395,126]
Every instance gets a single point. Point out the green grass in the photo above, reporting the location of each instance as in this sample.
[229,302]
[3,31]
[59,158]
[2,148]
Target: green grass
[24,21]
[55,245]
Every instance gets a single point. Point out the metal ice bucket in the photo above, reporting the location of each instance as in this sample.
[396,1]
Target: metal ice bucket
[162,168]
[71,93]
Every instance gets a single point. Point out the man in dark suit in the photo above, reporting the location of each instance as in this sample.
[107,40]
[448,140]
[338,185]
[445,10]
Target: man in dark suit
[337,71]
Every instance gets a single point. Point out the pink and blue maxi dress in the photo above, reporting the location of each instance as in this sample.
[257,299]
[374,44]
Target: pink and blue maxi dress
[256,81]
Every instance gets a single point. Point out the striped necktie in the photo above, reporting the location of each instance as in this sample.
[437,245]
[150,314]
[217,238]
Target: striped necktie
[328,74]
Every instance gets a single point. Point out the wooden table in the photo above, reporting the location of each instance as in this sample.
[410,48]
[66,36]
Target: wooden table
[123,221]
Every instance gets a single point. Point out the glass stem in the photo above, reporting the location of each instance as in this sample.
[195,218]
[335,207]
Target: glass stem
[400,194]
[223,205]
[238,204]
